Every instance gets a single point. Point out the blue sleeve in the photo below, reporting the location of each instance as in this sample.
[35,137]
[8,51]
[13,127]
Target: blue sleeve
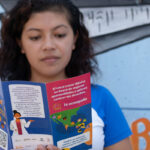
[116,127]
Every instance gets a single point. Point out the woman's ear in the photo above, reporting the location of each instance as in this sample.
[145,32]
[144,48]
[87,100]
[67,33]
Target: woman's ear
[20,45]
[22,51]
[75,39]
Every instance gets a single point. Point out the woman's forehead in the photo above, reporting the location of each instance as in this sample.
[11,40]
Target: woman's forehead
[47,19]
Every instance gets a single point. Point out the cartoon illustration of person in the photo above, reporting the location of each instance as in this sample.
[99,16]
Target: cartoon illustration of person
[18,126]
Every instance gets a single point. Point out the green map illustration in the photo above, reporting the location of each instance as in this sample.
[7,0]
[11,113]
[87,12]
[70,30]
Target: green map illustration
[64,117]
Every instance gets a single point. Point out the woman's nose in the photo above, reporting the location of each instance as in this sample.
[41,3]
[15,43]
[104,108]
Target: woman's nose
[48,43]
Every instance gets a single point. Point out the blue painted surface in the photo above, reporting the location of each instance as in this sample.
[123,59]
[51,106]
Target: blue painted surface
[126,73]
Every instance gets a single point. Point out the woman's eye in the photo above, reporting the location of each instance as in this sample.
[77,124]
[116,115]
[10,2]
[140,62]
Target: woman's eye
[35,38]
[60,35]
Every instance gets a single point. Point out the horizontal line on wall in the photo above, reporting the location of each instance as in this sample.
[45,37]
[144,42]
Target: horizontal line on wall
[133,108]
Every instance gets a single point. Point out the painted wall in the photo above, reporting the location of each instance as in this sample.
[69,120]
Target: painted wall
[126,73]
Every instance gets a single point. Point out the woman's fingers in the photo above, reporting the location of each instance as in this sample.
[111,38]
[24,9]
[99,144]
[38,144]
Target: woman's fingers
[48,147]
[40,147]
[52,147]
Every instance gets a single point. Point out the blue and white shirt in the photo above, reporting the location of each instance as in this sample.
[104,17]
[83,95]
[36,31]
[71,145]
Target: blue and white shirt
[109,124]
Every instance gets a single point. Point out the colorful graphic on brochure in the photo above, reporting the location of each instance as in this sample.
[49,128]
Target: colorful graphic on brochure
[70,112]
[56,113]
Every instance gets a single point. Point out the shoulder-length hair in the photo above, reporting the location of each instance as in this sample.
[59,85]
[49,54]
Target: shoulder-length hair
[14,64]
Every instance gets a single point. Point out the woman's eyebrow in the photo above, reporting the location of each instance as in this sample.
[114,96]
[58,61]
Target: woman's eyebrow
[60,26]
[39,30]
[33,29]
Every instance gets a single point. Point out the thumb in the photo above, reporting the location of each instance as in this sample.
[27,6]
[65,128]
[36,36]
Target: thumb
[52,147]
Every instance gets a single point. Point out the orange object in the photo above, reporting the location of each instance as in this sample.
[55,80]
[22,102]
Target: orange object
[136,134]
[89,130]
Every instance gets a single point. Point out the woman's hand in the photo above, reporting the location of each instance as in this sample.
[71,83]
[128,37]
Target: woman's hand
[48,147]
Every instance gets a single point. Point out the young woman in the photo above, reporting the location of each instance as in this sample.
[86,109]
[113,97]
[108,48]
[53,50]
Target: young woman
[45,41]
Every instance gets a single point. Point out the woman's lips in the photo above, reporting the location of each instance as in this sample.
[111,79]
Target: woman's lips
[50,59]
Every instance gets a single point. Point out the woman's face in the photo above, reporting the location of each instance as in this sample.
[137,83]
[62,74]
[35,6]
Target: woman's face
[47,41]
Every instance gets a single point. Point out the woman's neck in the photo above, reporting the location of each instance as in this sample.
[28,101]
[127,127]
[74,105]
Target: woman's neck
[47,79]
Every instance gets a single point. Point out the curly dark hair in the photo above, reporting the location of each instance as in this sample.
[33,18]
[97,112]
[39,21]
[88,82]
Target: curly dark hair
[14,64]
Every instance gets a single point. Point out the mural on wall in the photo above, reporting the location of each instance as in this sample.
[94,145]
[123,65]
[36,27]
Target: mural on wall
[108,20]
[126,74]
[125,22]
[135,138]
